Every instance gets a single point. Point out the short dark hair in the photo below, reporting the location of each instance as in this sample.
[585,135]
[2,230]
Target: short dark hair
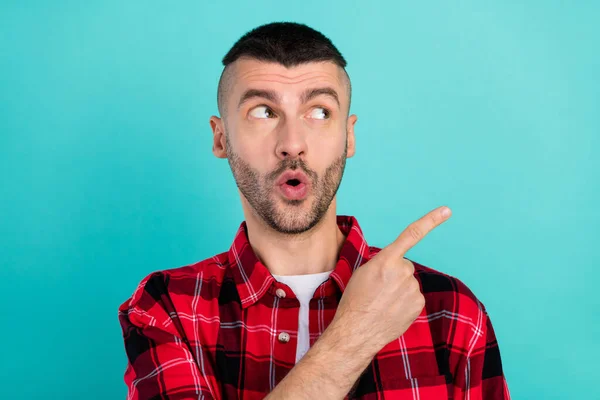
[286,43]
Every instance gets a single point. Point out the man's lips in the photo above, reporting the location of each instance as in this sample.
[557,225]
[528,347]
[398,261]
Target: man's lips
[293,185]
[291,175]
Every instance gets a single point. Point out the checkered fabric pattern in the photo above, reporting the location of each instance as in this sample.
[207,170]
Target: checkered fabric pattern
[221,329]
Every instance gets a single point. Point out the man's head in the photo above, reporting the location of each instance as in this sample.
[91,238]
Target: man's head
[284,100]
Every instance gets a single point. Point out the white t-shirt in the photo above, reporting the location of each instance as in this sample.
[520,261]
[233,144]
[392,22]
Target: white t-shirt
[304,287]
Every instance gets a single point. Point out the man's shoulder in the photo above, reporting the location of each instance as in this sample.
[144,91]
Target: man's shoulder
[442,290]
[206,275]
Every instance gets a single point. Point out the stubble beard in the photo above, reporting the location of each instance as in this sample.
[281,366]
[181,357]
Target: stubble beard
[290,218]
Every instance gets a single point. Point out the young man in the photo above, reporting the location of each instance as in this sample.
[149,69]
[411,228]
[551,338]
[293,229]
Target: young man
[301,307]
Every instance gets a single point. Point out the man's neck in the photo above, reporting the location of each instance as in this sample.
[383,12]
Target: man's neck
[311,252]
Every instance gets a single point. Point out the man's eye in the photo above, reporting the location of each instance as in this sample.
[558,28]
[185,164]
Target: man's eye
[319,113]
[262,112]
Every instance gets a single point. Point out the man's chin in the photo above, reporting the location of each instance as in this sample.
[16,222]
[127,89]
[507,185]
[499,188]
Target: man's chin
[292,230]
[292,223]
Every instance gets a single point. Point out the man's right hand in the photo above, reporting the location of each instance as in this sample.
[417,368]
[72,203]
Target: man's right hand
[381,301]
[383,297]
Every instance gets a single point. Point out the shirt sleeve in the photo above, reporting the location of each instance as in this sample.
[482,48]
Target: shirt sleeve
[475,354]
[493,382]
[160,361]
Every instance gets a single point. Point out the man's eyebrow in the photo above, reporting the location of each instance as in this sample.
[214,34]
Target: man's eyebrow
[272,96]
[265,94]
[312,93]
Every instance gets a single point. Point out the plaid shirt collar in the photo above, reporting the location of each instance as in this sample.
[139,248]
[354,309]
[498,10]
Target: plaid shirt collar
[253,279]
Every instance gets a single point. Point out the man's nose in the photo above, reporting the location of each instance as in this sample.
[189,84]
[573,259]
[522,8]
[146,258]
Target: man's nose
[291,141]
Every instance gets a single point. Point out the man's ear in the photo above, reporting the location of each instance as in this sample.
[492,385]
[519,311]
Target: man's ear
[219,148]
[350,132]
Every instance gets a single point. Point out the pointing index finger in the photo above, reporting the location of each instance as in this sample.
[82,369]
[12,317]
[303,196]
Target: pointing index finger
[418,230]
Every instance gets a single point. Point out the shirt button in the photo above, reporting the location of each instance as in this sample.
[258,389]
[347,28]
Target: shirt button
[280,293]
[284,337]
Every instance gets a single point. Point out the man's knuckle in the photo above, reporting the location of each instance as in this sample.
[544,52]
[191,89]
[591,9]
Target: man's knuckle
[415,232]
[410,267]
[414,285]
[390,270]
[435,218]
[420,301]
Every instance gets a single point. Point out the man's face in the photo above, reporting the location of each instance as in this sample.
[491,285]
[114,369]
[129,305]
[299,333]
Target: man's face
[286,137]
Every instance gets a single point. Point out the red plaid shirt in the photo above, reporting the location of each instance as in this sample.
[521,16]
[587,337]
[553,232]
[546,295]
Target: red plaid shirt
[224,328]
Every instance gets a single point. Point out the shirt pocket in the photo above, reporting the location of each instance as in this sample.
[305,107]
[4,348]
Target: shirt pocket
[434,387]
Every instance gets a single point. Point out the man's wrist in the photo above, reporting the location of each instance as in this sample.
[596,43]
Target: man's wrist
[348,354]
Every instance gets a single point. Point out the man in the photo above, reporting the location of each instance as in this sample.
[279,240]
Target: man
[300,306]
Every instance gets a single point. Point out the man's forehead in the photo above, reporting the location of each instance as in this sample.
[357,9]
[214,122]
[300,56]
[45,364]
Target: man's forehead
[247,72]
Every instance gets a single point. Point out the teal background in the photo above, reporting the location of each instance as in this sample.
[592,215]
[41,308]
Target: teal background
[491,108]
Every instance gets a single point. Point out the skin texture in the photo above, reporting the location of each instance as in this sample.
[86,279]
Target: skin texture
[262,138]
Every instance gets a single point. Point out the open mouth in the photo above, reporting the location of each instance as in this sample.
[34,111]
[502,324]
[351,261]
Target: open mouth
[293,185]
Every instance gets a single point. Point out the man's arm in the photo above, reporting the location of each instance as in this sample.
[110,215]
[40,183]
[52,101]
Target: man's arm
[493,381]
[329,369]
[478,370]
[160,362]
